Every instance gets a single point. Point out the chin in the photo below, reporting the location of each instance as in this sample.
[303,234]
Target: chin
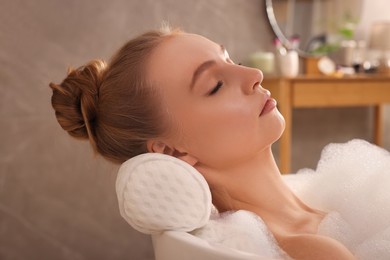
[279,126]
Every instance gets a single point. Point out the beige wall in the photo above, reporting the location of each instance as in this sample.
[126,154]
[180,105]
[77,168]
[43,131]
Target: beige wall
[57,201]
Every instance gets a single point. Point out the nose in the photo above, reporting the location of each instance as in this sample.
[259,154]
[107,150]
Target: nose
[246,78]
[252,80]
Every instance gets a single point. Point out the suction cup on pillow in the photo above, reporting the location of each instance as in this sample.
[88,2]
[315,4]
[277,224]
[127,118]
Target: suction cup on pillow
[157,192]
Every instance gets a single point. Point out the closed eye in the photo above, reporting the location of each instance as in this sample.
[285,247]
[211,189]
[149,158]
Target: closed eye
[216,88]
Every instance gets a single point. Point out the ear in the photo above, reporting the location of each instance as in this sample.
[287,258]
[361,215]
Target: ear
[155,146]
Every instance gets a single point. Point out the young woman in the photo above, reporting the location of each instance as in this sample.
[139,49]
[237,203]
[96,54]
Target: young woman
[180,94]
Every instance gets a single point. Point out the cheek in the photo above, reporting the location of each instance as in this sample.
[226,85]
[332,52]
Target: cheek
[227,119]
[223,140]
[221,130]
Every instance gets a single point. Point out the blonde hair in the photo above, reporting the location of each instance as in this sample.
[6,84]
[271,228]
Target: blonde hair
[113,105]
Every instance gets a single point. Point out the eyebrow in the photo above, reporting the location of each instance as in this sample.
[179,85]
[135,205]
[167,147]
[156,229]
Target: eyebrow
[204,66]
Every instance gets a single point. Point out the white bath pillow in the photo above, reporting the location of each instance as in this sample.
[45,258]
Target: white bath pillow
[157,192]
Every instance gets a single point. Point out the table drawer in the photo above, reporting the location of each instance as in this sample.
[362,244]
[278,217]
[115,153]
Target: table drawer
[342,93]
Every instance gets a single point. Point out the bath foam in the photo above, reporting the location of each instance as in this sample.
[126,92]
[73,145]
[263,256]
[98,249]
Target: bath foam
[241,230]
[352,184]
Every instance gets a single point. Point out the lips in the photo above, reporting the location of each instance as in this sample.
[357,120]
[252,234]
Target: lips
[269,105]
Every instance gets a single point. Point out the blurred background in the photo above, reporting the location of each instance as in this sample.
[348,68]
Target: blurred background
[57,200]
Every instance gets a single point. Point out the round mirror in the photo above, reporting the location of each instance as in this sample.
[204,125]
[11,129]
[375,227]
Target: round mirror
[313,27]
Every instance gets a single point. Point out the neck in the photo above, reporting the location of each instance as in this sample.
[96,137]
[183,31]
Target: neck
[256,185]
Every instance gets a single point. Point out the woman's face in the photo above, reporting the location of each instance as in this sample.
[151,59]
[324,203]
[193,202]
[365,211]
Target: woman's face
[215,105]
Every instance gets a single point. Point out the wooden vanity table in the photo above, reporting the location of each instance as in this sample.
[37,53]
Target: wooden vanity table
[323,91]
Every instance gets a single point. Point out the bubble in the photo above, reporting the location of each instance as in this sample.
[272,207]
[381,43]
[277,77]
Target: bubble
[351,183]
[241,230]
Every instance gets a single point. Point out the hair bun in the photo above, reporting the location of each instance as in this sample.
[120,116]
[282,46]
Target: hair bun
[75,100]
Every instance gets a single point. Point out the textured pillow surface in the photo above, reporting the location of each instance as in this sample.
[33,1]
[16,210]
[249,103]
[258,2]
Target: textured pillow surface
[157,192]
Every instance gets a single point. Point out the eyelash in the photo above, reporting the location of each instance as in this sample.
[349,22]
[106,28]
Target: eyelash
[216,88]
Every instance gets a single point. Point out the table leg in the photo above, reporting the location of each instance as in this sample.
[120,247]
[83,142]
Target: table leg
[378,125]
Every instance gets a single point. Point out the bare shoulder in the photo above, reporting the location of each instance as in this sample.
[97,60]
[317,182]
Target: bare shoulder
[318,247]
